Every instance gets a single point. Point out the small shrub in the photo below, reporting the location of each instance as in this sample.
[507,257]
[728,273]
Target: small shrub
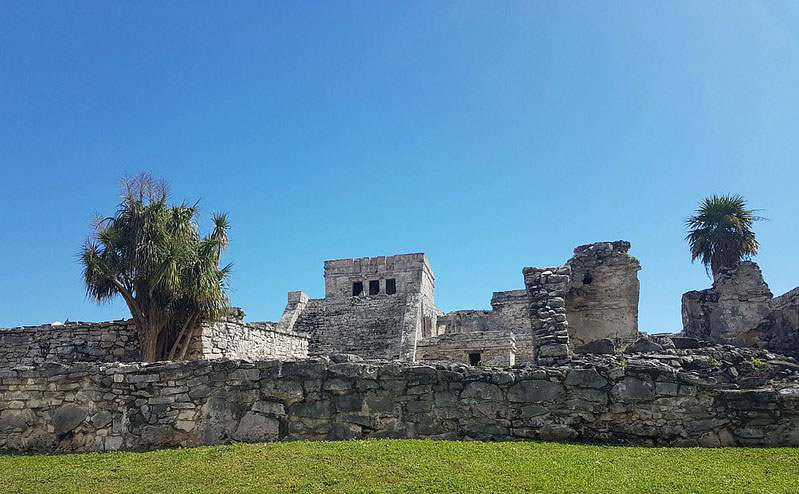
[757,362]
[714,362]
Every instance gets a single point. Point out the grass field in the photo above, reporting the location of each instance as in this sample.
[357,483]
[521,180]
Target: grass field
[408,466]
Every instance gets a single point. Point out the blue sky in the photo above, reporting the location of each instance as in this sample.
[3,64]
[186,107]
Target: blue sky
[489,135]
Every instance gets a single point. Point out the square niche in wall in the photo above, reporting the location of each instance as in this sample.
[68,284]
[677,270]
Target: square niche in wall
[357,288]
[391,286]
[374,287]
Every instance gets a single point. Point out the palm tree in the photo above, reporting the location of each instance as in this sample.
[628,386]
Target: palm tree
[152,255]
[720,232]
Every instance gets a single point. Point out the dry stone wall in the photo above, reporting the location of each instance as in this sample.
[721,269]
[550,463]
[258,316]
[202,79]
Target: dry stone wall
[721,397]
[116,341]
[233,338]
[110,341]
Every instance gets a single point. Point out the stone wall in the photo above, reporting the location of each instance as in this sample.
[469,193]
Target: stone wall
[687,398]
[465,321]
[233,338]
[603,294]
[71,342]
[116,341]
[489,348]
[509,314]
[511,311]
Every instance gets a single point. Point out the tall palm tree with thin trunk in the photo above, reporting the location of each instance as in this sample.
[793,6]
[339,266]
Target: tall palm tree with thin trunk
[152,255]
[720,232]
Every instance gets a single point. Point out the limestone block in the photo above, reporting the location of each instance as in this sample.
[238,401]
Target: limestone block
[601,346]
[67,418]
[585,378]
[534,391]
[632,389]
[557,432]
[643,345]
[481,391]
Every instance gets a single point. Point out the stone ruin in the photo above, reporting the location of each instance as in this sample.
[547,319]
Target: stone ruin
[384,307]
[559,359]
[740,310]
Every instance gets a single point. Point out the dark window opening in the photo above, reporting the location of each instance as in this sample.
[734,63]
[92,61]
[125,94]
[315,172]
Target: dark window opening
[587,279]
[474,359]
[391,286]
[357,288]
[374,287]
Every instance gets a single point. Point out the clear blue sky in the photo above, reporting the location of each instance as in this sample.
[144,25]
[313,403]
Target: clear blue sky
[489,135]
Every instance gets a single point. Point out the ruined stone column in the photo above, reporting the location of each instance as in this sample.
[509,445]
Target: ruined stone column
[546,289]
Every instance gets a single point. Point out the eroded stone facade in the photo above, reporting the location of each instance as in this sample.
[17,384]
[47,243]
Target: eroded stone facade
[602,301]
[739,309]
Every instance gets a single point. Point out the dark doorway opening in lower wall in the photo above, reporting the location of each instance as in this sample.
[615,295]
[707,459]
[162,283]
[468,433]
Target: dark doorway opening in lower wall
[474,359]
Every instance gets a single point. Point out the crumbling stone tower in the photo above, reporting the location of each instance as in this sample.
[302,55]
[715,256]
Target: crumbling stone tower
[602,301]
[593,297]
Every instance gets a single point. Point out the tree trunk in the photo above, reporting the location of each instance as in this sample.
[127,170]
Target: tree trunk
[148,339]
[187,342]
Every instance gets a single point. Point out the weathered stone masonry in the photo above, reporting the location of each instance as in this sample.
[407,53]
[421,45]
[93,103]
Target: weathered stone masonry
[71,342]
[546,289]
[602,301]
[710,397]
[116,341]
[739,309]
[376,307]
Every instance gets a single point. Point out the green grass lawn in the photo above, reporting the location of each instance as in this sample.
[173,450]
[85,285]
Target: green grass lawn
[408,466]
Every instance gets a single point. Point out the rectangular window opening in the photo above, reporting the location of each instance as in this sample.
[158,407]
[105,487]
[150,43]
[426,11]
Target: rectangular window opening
[357,288]
[374,287]
[391,286]
[474,359]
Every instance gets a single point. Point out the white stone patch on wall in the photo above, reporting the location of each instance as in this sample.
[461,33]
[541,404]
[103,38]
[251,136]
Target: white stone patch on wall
[233,338]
